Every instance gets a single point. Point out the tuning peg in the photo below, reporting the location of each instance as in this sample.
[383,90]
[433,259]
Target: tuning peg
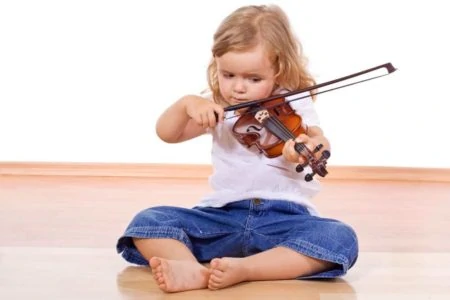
[309,177]
[326,154]
[301,167]
[318,147]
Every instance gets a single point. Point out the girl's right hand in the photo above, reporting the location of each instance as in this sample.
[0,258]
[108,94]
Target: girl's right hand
[204,111]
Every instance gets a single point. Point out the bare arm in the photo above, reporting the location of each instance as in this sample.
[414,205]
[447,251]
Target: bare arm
[187,118]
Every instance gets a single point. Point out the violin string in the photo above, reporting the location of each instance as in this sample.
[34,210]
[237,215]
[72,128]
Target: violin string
[285,132]
[288,133]
[275,128]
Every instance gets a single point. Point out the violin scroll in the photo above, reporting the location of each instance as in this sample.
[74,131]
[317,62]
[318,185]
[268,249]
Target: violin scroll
[318,166]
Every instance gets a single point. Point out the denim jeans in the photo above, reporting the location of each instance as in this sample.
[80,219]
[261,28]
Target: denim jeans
[244,228]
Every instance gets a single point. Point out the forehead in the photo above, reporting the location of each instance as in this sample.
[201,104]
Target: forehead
[251,61]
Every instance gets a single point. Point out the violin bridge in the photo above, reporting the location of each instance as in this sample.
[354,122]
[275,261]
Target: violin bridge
[261,115]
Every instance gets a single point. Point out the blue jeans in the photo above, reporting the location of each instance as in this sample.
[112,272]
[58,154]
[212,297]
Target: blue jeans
[244,228]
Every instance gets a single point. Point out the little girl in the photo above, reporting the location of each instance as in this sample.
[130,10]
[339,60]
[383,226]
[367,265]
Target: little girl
[259,222]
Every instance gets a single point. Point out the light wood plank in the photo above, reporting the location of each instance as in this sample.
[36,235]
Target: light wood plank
[196,171]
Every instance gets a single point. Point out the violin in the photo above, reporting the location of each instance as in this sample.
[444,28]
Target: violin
[283,124]
[270,122]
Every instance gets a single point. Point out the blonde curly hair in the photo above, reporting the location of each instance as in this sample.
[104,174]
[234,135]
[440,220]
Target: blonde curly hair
[267,24]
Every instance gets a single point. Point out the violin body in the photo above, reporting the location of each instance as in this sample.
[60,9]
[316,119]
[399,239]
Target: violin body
[249,132]
[269,125]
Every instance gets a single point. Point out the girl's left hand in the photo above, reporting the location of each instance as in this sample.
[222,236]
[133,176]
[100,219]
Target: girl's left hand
[311,143]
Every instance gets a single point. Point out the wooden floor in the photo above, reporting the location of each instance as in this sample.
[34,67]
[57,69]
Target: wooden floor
[58,235]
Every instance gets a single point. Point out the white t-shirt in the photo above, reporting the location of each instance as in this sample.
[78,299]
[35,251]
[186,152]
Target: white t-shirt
[241,173]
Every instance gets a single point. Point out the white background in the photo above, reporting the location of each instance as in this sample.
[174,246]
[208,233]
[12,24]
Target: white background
[85,81]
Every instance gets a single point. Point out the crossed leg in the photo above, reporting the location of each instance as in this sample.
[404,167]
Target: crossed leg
[275,264]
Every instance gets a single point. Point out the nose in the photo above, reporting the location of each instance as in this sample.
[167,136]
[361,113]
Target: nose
[239,86]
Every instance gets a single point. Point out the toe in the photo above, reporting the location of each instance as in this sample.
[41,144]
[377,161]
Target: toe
[214,278]
[217,273]
[213,286]
[215,263]
[155,262]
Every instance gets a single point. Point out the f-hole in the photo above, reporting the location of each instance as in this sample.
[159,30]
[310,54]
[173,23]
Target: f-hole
[254,127]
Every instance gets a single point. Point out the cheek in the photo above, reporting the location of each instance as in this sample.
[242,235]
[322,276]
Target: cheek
[263,91]
[223,86]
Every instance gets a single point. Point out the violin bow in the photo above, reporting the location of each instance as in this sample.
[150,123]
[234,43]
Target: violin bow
[388,66]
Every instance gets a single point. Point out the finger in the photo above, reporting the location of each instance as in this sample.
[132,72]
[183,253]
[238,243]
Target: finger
[301,160]
[310,146]
[298,155]
[286,147]
[290,143]
[211,119]
[306,141]
[218,110]
[290,152]
[293,152]
[302,138]
[203,121]
[301,147]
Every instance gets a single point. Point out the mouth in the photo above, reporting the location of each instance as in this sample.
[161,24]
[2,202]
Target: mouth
[236,100]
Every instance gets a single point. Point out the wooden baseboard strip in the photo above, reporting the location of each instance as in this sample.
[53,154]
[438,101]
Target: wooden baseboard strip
[197,171]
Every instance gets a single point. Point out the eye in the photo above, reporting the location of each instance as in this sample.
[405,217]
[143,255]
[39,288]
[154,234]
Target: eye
[227,75]
[255,79]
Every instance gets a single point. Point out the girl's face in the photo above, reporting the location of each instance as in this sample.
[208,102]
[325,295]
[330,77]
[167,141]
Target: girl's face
[246,75]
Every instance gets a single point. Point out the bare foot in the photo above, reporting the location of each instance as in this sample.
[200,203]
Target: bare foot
[226,272]
[179,275]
